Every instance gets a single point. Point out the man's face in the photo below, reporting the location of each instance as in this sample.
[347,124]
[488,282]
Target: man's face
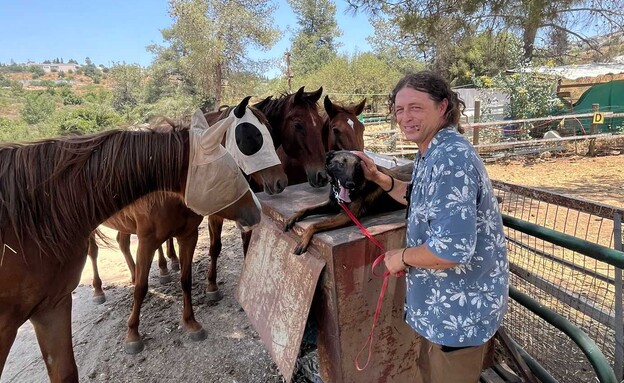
[418,115]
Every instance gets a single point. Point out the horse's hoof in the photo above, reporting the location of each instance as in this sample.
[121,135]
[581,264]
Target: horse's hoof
[175,266]
[198,335]
[164,279]
[99,299]
[214,296]
[133,348]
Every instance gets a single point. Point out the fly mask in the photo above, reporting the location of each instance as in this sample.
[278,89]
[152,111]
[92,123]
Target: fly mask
[214,180]
[249,141]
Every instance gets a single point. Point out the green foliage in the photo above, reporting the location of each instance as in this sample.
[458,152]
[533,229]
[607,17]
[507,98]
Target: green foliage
[91,71]
[37,107]
[126,91]
[316,40]
[209,40]
[36,71]
[71,98]
[14,131]
[349,80]
[531,95]
[87,119]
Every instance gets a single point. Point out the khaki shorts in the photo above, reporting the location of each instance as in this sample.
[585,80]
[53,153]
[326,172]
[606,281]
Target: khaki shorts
[456,366]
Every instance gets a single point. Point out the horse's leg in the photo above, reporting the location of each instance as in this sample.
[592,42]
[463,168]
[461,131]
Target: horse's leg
[8,331]
[246,238]
[165,276]
[53,329]
[123,240]
[187,248]
[171,253]
[215,227]
[145,255]
[98,293]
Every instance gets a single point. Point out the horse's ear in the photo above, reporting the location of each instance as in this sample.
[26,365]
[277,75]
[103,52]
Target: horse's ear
[199,120]
[212,137]
[315,96]
[360,107]
[299,95]
[329,107]
[239,112]
[262,104]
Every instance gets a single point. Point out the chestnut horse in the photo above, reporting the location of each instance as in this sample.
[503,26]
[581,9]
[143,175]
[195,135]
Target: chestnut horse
[342,130]
[54,194]
[157,217]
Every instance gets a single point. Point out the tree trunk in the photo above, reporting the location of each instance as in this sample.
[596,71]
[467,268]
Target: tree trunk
[218,84]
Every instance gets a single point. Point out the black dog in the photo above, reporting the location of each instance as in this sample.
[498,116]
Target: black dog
[347,182]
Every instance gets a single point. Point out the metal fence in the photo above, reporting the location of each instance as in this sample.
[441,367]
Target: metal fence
[585,291]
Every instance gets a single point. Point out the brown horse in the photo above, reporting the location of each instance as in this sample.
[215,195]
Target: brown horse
[248,135]
[342,130]
[157,217]
[54,193]
[297,127]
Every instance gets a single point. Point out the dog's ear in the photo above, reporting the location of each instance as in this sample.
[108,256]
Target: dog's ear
[328,156]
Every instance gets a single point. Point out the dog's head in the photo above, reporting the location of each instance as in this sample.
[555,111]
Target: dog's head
[345,174]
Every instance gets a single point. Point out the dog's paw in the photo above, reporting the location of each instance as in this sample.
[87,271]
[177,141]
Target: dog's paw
[289,224]
[301,248]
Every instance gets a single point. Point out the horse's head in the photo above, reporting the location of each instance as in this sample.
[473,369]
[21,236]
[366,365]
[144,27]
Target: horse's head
[215,183]
[248,139]
[342,129]
[297,128]
[246,211]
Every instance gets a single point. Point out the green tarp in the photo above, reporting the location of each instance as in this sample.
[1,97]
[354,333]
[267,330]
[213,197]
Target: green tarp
[610,97]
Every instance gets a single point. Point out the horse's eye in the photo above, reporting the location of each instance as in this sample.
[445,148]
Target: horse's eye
[300,128]
[336,131]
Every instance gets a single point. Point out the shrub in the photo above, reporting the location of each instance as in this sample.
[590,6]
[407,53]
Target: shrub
[88,119]
[37,107]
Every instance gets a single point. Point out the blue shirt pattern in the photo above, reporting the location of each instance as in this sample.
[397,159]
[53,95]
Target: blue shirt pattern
[454,212]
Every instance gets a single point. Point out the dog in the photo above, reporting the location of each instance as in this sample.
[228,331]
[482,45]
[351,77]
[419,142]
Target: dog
[347,182]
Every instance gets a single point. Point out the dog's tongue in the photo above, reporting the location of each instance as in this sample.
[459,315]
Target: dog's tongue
[343,193]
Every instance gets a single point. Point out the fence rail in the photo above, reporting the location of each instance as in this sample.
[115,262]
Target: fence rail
[576,273]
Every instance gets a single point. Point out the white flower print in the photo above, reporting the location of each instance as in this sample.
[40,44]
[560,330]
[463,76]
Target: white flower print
[437,302]
[459,201]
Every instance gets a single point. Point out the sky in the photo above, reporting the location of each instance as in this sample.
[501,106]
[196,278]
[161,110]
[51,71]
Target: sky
[117,31]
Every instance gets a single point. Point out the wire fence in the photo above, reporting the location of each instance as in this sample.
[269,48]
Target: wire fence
[505,139]
[585,291]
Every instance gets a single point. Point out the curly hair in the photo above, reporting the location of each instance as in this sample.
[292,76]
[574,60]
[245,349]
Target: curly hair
[437,88]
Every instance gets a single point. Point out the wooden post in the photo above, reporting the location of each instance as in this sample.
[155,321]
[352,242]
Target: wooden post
[477,118]
[593,130]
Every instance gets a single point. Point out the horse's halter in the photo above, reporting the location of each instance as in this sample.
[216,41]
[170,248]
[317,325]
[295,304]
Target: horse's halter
[214,180]
[264,157]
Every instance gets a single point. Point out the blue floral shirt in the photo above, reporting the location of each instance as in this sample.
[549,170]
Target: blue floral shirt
[454,212]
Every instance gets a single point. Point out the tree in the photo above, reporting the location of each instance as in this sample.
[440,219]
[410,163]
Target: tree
[350,79]
[209,39]
[127,87]
[427,21]
[316,40]
[37,107]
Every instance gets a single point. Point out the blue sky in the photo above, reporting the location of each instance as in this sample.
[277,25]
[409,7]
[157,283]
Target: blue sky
[115,31]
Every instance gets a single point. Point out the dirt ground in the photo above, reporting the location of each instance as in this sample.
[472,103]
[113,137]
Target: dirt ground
[233,351]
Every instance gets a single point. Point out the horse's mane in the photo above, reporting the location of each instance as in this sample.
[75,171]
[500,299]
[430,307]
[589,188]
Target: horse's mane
[53,191]
[224,110]
[281,103]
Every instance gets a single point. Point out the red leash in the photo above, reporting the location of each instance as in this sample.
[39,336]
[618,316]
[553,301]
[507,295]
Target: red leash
[384,286]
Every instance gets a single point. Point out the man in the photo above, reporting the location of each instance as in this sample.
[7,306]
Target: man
[456,259]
